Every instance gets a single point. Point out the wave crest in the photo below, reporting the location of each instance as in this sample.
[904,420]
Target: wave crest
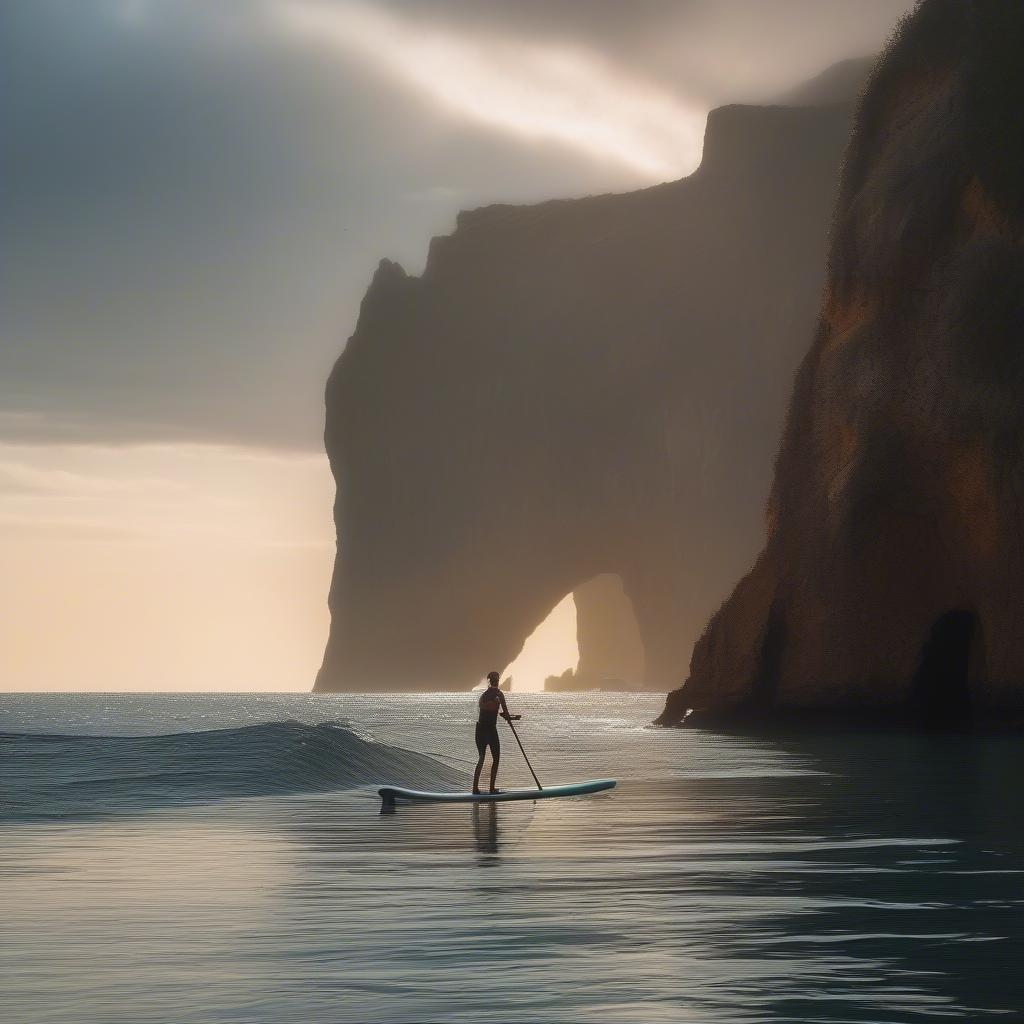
[58,776]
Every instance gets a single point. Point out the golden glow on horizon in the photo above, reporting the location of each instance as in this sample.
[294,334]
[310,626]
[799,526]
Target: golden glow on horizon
[540,93]
[179,567]
[162,567]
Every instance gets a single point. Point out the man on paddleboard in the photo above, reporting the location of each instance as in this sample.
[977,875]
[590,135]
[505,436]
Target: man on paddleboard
[492,703]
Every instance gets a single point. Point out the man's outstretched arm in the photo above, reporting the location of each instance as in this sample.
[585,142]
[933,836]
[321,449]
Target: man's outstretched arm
[504,710]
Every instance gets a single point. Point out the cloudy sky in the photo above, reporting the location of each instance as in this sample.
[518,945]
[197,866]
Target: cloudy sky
[194,196]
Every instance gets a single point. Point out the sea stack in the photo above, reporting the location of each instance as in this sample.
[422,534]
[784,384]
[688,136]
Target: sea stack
[892,581]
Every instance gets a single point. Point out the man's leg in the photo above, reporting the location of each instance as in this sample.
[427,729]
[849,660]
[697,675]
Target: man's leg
[481,749]
[495,758]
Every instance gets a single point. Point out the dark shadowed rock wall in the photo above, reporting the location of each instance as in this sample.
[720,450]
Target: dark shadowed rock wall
[575,388]
[893,577]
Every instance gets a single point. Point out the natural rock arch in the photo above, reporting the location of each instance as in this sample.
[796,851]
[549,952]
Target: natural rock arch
[581,387]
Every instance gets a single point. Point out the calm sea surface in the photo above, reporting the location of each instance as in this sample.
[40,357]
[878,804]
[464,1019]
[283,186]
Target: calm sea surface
[211,858]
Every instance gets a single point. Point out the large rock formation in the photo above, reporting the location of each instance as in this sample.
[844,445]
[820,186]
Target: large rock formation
[893,577]
[574,388]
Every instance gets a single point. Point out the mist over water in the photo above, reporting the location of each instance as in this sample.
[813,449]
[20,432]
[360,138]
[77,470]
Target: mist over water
[223,858]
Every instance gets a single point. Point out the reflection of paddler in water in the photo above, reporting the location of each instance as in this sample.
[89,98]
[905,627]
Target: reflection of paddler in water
[492,704]
[485,827]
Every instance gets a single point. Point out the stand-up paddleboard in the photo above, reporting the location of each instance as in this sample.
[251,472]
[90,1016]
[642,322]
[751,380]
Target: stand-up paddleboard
[390,793]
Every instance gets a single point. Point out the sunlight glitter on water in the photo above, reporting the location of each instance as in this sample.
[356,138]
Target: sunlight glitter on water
[728,878]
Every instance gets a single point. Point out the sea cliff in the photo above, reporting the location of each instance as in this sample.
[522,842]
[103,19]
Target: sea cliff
[891,582]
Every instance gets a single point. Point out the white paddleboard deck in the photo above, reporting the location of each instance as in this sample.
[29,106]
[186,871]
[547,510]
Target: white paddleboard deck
[390,793]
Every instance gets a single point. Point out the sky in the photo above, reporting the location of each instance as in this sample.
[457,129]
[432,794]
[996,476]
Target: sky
[195,196]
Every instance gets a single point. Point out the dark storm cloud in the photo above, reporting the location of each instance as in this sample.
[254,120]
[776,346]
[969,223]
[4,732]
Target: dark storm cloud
[173,224]
[193,200]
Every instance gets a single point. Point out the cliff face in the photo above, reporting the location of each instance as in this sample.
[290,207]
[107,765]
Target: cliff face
[892,577]
[574,388]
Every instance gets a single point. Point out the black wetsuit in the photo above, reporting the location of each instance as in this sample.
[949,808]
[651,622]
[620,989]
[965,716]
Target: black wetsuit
[487,724]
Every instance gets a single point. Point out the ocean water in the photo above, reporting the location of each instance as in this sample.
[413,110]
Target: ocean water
[208,858]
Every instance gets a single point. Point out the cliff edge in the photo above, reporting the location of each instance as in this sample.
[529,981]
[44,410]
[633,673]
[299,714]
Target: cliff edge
[891,581]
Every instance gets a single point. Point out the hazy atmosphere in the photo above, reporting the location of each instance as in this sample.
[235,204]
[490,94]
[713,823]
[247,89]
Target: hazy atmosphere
[510,511]
[195,198]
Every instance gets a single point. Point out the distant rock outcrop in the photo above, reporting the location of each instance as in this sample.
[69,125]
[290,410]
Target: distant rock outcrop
[575,388]
[892,582]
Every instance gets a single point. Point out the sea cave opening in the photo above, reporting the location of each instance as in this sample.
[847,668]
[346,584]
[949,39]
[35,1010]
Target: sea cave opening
[941,687]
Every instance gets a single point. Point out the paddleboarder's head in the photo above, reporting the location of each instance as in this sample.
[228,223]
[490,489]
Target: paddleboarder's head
[492,678]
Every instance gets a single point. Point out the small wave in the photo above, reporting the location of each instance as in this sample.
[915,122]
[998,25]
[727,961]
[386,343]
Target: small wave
[59,776]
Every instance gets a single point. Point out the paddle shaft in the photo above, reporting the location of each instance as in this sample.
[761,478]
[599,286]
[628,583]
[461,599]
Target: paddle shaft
[525,758]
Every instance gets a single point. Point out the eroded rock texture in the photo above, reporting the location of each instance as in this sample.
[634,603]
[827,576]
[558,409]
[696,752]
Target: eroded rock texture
[574,388]
[893,577]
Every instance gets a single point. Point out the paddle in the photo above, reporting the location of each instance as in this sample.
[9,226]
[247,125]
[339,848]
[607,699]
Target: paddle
[525,758]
